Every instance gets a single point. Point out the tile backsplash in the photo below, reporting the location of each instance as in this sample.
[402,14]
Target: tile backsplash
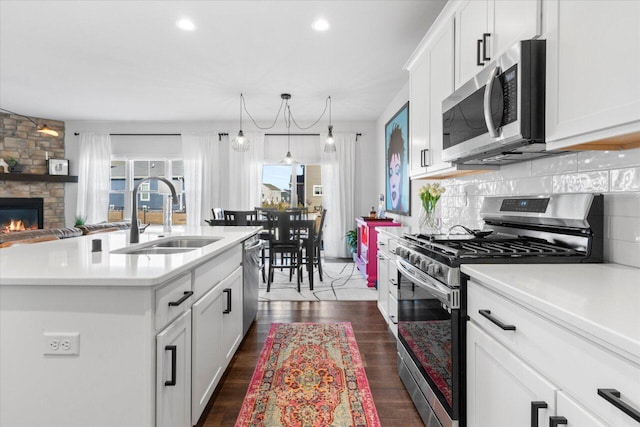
[616,174]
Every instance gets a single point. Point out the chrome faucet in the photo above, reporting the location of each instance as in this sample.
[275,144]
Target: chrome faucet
[134,236]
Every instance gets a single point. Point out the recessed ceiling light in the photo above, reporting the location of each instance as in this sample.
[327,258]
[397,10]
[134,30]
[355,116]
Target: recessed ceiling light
[321,25]
[186,25]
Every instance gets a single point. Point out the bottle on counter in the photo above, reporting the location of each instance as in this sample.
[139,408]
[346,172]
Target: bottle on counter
[372,213]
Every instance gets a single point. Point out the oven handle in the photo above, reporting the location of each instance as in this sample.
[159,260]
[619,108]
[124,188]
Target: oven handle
[441,292]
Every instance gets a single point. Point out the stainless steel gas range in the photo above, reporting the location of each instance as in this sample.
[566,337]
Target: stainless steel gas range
[559,228]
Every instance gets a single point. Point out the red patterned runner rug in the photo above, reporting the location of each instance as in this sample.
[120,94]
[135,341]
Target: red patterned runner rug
[309,375]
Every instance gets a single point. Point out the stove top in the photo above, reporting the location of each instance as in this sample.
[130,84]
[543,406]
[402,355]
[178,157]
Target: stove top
[464,248]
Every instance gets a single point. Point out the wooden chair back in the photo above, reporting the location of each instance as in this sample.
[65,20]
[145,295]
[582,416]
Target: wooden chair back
[239,217]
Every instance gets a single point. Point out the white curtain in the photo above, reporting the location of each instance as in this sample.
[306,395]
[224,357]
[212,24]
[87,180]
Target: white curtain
[242,174]
[94,177]
[338,181]
[200,153]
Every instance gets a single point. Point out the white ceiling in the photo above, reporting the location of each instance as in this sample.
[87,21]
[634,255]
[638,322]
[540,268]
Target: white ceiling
[127,60]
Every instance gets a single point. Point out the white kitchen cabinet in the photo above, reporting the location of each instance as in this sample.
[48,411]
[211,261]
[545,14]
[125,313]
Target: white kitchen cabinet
[486,28]
[501,388]
[501,358]
[419,157]
[593,64]
[388,281]
[431,78]
[217,331]
[173,373]
[232,315]
[383,282]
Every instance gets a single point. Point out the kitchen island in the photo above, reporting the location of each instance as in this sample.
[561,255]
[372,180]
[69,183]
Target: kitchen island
[113,339]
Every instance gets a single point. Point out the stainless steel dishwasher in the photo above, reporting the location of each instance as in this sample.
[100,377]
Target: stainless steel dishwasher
[251,265]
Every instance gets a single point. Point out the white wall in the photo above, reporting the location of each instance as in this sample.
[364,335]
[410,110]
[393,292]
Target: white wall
[365,191]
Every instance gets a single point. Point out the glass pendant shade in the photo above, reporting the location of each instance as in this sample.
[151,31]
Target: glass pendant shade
[241,142]
[330,143]
[288,159]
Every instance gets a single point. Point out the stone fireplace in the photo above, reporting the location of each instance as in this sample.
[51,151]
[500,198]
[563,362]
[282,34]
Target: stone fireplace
[20,140]
[19,214]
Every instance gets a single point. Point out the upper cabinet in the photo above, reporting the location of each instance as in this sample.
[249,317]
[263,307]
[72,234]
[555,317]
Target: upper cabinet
[431,80]
[593,74]
[486,28]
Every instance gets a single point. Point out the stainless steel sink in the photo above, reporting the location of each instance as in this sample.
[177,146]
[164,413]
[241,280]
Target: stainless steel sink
[168,246]
[158,251]
[186,242]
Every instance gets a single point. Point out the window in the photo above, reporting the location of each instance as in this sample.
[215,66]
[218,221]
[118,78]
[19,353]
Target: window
[126,174]
[277,184]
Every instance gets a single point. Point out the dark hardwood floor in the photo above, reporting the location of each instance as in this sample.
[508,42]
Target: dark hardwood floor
[376,343]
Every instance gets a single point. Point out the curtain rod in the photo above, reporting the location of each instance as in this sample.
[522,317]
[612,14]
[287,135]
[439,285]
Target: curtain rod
[139,134]
[220,135]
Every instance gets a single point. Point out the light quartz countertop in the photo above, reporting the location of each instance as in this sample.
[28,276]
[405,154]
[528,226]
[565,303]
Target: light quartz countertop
[71,261]
[598,301]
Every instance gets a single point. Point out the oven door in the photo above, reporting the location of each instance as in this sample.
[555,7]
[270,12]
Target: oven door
[429,345]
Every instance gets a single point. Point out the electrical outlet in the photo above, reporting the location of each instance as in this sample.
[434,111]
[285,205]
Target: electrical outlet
[61,343]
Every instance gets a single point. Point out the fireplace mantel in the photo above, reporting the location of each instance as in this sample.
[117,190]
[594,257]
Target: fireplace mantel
[36,177]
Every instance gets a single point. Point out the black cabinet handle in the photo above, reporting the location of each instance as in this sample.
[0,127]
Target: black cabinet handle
[174,350]
[186,296]
[228,292]
[556,421]
[484,47]
[535,406]
[394,282]
[487,314]
[612,396]
[478,48]
[393,319]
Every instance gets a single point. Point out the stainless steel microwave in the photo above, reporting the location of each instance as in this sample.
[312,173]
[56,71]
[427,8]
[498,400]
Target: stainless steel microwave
[498,116]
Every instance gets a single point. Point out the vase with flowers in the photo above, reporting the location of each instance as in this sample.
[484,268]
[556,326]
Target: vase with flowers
[430,221]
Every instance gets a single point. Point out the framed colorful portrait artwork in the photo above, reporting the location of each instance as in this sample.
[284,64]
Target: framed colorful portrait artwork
[398,196]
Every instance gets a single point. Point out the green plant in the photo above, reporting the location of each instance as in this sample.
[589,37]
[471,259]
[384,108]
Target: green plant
[80,220]
[352,239]
[11,161]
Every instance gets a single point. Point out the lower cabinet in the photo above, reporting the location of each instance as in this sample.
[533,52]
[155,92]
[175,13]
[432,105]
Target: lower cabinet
[526,369]
[217,332]
[173,373]
[501,388]
[387,281]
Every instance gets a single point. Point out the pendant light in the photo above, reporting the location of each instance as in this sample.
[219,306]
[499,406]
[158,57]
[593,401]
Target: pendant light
[241,143]
[288,159]
[42,129]
[330,143]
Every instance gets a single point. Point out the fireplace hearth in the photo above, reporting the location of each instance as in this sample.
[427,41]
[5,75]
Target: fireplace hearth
[18,214]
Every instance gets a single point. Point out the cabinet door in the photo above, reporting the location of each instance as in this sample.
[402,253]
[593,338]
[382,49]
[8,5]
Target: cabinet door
[207,353]
[440,86]
[419,116]
[501,387]
[173,374]
[471,24]
[511,21]
[576,415]
[593,64]
[383,285]
[232,314]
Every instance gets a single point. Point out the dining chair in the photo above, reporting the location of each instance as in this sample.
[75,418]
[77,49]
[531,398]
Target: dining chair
[284,239]
[217,213]
[317,244]
[239,217]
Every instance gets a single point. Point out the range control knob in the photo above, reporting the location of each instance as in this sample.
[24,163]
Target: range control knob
[414,258]
[424,264]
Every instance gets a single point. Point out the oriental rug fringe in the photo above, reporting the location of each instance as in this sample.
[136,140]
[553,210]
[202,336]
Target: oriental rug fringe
[309,375]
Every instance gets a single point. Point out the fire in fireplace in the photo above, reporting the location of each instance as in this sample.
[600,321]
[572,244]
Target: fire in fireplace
[18,214]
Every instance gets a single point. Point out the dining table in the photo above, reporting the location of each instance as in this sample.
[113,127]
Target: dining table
[308,225]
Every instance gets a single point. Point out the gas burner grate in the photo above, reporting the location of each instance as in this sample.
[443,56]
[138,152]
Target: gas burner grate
[505,249]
